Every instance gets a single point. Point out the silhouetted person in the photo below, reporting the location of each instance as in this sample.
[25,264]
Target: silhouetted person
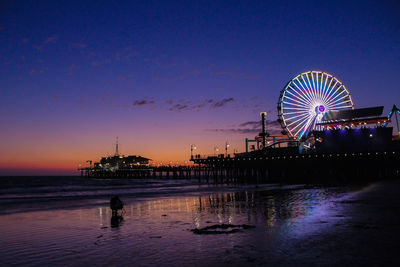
[116,204]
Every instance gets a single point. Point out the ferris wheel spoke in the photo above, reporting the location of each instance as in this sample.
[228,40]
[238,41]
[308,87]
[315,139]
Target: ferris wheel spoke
[315,85]
[316,88]
[324,85]
[305,102]
[306,89]
[295,114]
[293,102]
[301,124]
[298,98]
[296,121]
[319,77]
[310,86]
[291,113]
[345,107]
[333,95]
[295,117]
[330,89]
[331,104]
[338,98]
[295,108]
[341,101]
[303,127]
[304,86]
[302,92]
[301,111]
[344,102]
[340,107]
[298,129]
[327,88]
[346,95]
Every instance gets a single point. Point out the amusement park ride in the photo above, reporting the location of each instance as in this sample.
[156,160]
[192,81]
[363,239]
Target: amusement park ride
[315,102]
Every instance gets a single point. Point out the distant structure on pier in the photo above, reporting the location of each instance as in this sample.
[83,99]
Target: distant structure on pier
[117,166]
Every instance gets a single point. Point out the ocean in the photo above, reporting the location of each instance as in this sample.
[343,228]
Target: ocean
[67,221]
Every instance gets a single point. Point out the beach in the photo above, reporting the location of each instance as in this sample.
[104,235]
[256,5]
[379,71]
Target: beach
[285,225]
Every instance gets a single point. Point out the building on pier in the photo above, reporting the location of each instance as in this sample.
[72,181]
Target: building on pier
[116,162]
[118,166]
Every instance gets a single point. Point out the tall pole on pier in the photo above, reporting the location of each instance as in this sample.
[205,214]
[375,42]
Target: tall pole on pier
[116,148]
[396,110]
[90,163]
[215,150]
[226,149]
[263,132]
[192,147]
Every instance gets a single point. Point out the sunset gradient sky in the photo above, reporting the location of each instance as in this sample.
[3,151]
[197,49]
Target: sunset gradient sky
[162,75]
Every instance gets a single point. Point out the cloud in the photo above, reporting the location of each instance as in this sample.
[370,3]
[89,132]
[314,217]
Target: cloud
[143,102]
[235,131]
[252,127]
[273,127]
[221,103]
[189,105]
[179,107]
[253,124]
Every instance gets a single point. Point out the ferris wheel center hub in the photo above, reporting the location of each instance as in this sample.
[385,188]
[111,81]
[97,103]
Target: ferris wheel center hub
[319,109]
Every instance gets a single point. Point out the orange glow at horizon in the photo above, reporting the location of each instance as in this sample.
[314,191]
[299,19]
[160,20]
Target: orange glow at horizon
[69,156]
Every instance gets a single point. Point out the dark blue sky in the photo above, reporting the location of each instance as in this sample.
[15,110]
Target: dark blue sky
[98,69]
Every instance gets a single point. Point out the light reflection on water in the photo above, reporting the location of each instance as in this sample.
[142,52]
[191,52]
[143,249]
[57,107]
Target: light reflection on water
[158,231]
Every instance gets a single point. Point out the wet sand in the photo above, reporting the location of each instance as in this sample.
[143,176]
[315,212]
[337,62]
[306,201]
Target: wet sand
[332,226]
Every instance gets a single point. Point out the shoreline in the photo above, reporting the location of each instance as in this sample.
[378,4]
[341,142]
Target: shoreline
[37,204]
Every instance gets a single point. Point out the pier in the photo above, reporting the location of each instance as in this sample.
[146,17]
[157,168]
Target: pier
[288,168]
[163,172]
[296,168]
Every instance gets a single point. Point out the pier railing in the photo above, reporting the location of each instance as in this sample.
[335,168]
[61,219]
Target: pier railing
[211,156]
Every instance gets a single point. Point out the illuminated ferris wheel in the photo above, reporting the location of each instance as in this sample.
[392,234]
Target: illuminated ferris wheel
[305,99]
